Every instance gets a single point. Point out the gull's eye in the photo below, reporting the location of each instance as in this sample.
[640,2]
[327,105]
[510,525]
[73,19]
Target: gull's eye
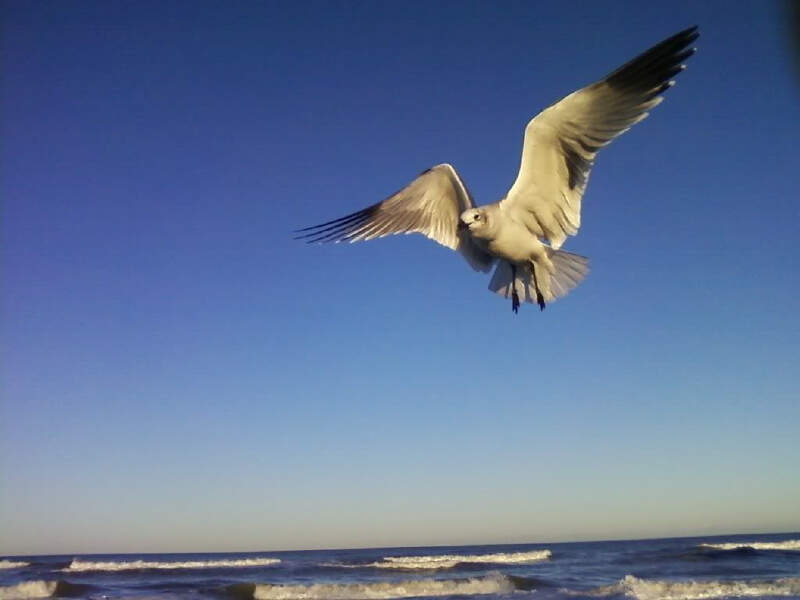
[478,216]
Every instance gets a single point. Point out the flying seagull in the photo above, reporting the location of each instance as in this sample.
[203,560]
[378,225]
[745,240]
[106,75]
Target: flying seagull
[522,233]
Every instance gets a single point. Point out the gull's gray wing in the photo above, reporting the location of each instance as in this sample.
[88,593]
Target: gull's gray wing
[561,142]
[430,205]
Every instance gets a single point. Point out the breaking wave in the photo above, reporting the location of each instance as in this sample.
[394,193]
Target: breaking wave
[785,545]
[489,584]
[12,564]
[448,561]
[647,589]
[42,589]
[137,565]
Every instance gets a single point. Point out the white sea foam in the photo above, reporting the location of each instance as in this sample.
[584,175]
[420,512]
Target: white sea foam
[491,584]
[653,589]
[85,565]
[12,564]
[28,589]
[785,545]
[448,561]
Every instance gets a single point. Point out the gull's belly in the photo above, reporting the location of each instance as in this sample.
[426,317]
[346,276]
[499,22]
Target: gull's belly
[515,243]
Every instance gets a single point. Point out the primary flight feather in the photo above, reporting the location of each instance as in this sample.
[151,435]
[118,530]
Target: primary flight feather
[522,233]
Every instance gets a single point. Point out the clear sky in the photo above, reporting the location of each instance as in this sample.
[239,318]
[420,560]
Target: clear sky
[179,374]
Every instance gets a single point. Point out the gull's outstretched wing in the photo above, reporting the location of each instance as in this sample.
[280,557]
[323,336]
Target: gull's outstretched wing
[430,205]
[561,142]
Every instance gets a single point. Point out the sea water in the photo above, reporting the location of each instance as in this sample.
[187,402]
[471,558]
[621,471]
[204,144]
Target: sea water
[747,566]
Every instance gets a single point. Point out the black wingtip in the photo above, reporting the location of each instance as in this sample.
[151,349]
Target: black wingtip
[657,65]
[687,35]
[337,230]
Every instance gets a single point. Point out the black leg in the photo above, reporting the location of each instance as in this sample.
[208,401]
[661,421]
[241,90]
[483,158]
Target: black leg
[539,297]
[514,295]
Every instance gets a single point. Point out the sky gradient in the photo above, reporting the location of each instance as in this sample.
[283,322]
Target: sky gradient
[180,375]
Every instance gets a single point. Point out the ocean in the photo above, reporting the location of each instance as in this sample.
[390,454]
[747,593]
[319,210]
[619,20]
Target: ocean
[741,566]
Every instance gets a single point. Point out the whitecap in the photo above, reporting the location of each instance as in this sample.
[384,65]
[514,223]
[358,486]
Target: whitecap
[12,564]
[785,545]
[448,561]
[491,584]
[83,565]
[654,589]
[28,589]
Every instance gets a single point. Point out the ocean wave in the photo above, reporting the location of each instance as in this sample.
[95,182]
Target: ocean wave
[138,565]
[785,545]
[383,590]
[42,589]
[652,589]
[448,561]
[29,589]
[12,564]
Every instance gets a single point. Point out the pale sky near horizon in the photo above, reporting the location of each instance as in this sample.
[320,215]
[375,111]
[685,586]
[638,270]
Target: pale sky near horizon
[179,374]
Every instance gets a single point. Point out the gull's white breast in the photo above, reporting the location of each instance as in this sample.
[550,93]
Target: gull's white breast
[514,242]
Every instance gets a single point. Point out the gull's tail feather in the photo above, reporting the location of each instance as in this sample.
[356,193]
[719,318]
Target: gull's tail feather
[570,269]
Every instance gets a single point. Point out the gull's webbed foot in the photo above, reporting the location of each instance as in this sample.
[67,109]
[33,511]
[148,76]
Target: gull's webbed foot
[539,297]
[514,295]
[540,300]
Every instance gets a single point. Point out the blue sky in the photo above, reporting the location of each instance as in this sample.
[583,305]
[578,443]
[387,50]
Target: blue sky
[180,375]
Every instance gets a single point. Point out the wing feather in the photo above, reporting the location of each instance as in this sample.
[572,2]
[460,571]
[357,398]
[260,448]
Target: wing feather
[562,141]
[430,205]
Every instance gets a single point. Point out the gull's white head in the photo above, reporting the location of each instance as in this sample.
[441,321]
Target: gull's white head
[474,219]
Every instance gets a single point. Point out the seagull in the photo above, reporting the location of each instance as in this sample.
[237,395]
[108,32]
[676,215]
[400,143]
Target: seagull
[523,232]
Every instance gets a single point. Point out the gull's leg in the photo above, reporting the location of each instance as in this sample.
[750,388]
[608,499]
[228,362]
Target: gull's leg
[539,297]
[514,295]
